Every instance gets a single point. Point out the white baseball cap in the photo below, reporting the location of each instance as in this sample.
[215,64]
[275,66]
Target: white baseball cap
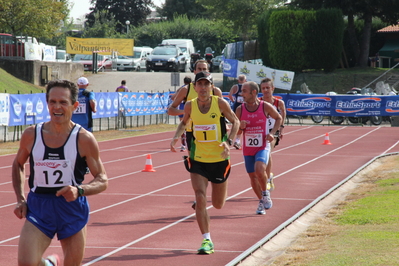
[83,81]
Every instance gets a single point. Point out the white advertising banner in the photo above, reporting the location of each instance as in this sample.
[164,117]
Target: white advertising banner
[49,53]
[33,51]
[255,72]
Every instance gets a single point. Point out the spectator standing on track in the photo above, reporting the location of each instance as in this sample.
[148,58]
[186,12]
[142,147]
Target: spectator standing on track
[58,152]
[122,87]
[267,88]
[87,104]
[210,154]
[253,115]
[236,98]
[187,81]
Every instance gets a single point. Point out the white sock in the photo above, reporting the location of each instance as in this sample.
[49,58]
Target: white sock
[264,193]
[238,140]
[207,236]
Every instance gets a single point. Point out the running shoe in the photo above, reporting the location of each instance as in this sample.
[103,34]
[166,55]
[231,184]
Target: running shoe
[54,259]
[270,182]
[206,247]
[237,145]
[194,204]
[267,201]
[261,208]
[182,148]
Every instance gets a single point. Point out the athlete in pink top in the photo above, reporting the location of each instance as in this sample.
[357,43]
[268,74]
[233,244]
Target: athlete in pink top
[253,115]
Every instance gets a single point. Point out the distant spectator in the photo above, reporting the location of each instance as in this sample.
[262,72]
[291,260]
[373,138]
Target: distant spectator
[122,87]
[87,104]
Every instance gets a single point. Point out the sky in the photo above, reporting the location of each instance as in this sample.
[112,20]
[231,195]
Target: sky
[81,7]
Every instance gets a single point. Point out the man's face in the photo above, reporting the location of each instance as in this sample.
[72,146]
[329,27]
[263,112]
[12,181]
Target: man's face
[201,67]
[60,105]
[203,87]
[267,88]
[246,93]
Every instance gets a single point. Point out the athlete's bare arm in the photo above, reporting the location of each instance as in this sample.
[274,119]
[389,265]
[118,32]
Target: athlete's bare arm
[18,170]
[178,98]
[182,126]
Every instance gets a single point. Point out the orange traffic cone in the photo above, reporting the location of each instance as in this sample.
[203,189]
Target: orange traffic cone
[148,164]
[327,140]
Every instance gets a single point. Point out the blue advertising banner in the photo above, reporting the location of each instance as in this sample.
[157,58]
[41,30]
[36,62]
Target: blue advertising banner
[142,103]
[341,105]
[230,67]
[107,104]
[28,109]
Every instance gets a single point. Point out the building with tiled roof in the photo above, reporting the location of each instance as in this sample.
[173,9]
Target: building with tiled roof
[389,53]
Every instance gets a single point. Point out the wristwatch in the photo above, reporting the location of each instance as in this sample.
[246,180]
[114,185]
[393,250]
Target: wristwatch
[81,191]
[230,142]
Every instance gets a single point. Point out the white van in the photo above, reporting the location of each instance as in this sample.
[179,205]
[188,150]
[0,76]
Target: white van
[135,62]
[62,56]
[186,45]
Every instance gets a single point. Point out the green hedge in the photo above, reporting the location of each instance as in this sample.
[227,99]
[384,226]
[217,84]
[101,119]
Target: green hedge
[300,40]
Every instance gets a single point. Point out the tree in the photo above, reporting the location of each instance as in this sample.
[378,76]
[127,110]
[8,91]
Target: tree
[134,11]
[190,8]
[103,27]
[366,10]
[37,18]
[242,13]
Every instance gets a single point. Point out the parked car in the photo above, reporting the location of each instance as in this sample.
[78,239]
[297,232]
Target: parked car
[135,62]
[216,61]
[166,57]
[87,61]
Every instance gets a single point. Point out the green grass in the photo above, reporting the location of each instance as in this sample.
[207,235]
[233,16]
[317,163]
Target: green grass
[367,229]
[12,85]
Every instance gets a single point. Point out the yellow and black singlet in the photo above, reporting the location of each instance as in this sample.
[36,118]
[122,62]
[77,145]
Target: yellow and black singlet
[209,132]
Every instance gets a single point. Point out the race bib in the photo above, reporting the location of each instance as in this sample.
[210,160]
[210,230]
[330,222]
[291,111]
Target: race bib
[81,109]
[253,140]
[205,133]
[240,99]
[53,173]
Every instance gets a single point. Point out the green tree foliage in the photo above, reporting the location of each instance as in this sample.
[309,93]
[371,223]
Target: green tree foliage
[243,15]
[102,27]
[301,39]
[366,10]
[38,18]
[135,11]
[190,8]
[203,32]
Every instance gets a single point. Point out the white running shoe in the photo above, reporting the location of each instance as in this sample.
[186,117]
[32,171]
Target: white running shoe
[261,208]
[267,201]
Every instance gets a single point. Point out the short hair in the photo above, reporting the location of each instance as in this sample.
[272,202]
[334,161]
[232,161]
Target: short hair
[265,80]
[242,77]
[202,61]
[71,86]
[253,86]
[123,82]
[187,80]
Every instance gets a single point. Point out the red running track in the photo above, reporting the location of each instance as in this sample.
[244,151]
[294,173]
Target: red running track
[146,218]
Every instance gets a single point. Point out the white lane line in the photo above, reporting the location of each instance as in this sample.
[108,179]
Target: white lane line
[233,196]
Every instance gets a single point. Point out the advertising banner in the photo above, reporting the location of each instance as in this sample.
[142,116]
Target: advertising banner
[4,108]
[142,103]
[230,68]
[107,104]
[105,45]
[27,109]
[49,53]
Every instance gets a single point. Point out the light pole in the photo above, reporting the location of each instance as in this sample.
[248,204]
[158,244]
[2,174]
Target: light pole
[127,26]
